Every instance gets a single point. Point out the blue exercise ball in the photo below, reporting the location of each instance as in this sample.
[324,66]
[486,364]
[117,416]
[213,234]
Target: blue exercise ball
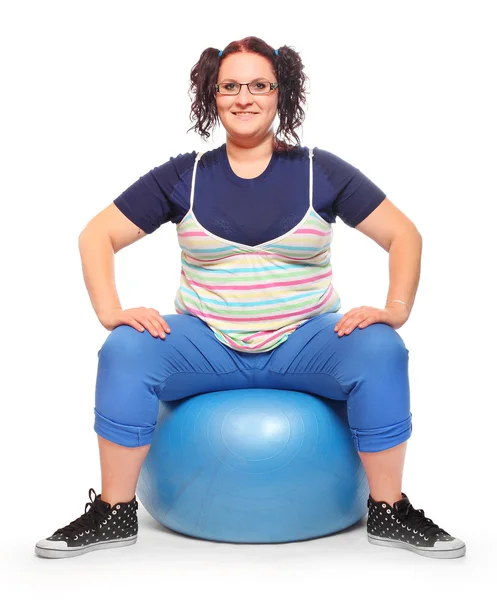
[253,466]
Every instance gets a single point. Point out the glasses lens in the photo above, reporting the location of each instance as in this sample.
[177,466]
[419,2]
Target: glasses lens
[229,88]
[256,87]
[260,87]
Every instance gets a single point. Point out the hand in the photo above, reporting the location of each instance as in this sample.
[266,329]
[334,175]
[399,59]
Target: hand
[366,315]
[140,318]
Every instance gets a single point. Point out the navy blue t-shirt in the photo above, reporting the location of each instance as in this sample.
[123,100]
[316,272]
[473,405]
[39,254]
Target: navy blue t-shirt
[250,211]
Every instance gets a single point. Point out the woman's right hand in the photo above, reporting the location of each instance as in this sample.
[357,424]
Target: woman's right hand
[140,318]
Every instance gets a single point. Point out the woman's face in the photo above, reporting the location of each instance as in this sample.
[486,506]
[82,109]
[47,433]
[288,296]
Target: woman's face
[244,68]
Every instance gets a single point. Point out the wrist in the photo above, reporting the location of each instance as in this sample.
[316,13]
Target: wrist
[398,303]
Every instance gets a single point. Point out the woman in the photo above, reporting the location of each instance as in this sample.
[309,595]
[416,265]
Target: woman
[256,302]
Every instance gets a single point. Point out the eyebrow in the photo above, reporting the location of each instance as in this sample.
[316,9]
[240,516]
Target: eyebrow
[256,79]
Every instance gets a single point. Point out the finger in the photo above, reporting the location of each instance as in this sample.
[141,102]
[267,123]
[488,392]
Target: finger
[158,326]
[349,326]
[368,321]
[165,325]
[340,324]
[345,325]
[147,323]
[162,322]
[134,323]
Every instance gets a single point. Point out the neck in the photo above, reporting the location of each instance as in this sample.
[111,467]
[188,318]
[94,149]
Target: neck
[249,151]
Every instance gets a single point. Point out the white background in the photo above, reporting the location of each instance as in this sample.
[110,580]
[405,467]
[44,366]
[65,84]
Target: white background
[95,95]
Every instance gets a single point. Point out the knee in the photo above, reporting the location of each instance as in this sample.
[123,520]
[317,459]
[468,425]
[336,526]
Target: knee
[380,342]
[123,345]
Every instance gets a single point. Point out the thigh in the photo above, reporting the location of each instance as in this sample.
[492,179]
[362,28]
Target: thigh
[315,359]
[190,360]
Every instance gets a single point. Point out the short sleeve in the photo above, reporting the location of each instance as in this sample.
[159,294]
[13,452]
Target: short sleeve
[353,195]
[154,199]
[357,199]
[146,202]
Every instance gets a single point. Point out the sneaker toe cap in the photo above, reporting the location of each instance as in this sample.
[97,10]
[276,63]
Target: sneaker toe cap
[47,544]
[451,543]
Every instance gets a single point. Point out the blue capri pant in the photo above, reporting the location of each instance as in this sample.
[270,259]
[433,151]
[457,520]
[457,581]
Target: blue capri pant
[367,369]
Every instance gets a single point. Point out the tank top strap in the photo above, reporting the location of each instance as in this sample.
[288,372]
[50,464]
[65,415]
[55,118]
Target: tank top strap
[311,154]
[197,158]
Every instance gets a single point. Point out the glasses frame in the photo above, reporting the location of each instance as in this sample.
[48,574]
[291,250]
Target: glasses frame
[273,85]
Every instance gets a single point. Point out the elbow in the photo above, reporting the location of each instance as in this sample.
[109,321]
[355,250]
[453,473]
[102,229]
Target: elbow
[417,232]
[412,231]
[410,235]
[82,237]
[92,235]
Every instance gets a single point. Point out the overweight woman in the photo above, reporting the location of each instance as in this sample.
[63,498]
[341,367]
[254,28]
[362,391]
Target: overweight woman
[256,294]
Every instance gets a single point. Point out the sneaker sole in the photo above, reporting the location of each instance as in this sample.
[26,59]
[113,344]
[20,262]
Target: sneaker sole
[430,553]
[69,552]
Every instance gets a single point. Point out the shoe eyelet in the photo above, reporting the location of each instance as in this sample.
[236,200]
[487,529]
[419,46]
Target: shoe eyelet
[397,520]
[388,511]
[87,532]
[408,529]
[426,538]
[414,531]
[384,505]
[109,517]
[118,506]
[76,538]
[104,523]
[114,512]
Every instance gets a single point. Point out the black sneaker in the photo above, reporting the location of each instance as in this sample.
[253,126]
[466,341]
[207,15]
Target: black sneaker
[402,526]
[102,526]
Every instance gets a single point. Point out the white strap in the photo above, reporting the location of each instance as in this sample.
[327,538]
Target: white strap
[311,153]
[197,158]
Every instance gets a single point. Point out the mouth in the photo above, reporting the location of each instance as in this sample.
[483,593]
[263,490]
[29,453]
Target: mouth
[244,116]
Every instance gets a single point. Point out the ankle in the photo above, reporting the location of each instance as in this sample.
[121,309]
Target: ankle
[112,499]
[388,498]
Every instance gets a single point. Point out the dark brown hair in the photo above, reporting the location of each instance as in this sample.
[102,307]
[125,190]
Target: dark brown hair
[288,69]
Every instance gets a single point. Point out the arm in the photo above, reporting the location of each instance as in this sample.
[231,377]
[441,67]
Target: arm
[107,233]
[398,235]
[405,268]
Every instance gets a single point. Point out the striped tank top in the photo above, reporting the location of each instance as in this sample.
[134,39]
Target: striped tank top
[254,297]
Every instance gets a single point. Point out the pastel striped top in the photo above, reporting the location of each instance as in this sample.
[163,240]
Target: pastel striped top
[254,297]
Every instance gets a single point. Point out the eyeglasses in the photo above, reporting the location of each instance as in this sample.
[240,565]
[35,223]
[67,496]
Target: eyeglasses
[231,88]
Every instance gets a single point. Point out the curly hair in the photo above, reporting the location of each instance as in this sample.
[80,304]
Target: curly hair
[288,68]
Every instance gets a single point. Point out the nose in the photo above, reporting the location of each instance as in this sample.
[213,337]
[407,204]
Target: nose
[244,96]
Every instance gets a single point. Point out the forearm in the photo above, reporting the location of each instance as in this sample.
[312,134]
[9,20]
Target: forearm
[404,268]
[97,260]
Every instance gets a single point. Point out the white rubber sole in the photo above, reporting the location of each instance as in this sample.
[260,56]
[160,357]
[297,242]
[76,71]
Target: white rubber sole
[69,552]
[428,552]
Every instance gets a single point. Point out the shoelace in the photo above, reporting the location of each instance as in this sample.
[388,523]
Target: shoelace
[423,524]
[95,512]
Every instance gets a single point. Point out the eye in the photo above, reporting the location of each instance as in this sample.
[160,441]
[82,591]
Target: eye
[260,86]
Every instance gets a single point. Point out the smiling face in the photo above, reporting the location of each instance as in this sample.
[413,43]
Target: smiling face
[244,68]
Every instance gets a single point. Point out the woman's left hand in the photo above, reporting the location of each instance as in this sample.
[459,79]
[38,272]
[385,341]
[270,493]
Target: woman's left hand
[366,315]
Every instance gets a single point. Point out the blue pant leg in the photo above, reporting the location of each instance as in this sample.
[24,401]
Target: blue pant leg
[368,368]
[136,370]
